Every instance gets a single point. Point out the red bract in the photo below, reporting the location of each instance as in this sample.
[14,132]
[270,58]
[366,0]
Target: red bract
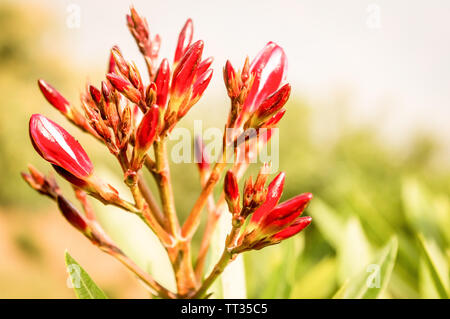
[162,81]
[269,69]
[58,147]
[184,40]
[297,226]
[54,97]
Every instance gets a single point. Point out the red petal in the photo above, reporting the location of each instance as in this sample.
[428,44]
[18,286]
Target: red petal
[293,206]
[184,73]
[269,67]
[274,192]
[146,132]
[58,147]
[201,84]
[54,97]
[184,40]
[296,227]
[162,83]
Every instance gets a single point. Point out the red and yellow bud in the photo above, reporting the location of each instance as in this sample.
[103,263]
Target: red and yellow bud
[145,135]
[231,189]
[184,73]
[125,87]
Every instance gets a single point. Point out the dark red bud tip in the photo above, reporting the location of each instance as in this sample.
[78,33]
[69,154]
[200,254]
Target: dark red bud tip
[184,40]
[95,94]
[297,226]
[72,214]
[162,81]
[58,147]
[54,97]
[146,132]
[231,187]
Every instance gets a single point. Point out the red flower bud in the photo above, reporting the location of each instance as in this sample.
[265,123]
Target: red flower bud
[201,84]
[58,147]
[125,87]
[297,226]
[269,68]
[54,97]
[95,94]
[146,132]
[273,103]
[184,73]
[72,214]
[162,81]
[112,62]
[229,77]
[274,192]
[120,62]
[284,213]
[231,187]
[150,94]
[184,40]
[204,65]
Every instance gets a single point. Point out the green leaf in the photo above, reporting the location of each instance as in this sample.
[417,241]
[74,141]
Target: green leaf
[435,266]
[84,286]
[378,274]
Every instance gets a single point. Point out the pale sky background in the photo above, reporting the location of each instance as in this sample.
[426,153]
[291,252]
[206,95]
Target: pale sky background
[401,69]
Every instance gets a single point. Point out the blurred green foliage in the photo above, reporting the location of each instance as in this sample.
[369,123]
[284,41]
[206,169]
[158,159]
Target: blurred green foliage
[368,195]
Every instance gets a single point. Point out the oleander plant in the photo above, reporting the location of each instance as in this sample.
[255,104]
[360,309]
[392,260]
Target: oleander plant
[133,117]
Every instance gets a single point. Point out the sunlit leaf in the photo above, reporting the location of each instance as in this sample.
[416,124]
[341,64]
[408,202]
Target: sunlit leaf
[372,282]
[434,271]
[84,286]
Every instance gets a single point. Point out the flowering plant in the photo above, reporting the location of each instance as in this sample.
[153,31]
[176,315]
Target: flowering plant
[132,117]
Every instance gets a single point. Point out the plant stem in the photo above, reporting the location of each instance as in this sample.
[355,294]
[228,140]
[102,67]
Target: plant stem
[162,175]
[227,256]
[193,220]
[142,275]
[151,201]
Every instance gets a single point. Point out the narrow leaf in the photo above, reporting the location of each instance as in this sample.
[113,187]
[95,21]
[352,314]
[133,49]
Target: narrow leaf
[84,286]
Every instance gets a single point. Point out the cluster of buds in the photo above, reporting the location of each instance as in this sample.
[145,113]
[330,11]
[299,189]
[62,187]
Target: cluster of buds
[257,99]
[131,116]
[270,222]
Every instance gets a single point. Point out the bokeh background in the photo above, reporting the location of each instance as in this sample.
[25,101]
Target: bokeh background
[367,131]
